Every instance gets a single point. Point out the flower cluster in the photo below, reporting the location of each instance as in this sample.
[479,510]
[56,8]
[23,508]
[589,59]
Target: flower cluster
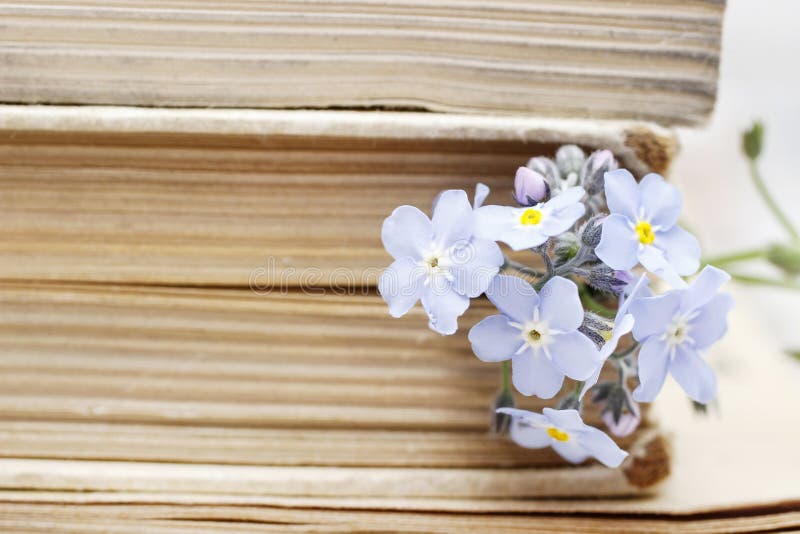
[581,308]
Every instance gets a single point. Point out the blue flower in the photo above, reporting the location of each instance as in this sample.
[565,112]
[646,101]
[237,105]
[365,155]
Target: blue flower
[566,433]
[623,323]
[642,228]
[538,333]
[674,329]
[437,260]
[531,226]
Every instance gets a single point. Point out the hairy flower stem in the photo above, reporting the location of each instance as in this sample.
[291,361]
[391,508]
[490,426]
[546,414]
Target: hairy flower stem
[761,187]
[521,267]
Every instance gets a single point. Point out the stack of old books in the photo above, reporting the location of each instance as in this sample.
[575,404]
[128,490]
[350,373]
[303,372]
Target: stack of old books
[190,333]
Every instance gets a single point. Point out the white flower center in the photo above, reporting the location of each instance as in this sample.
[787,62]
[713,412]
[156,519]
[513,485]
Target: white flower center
[437,267]
[679,329]
[536,333]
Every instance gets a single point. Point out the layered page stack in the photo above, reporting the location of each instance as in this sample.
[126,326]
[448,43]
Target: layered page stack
[197,287]
[191,336]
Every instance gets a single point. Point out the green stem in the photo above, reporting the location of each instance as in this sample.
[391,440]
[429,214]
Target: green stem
[507,376]
[734,257]
[773,206]
[758,281]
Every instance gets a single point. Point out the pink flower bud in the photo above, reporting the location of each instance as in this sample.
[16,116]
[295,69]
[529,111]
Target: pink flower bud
[628,421]
[530,187]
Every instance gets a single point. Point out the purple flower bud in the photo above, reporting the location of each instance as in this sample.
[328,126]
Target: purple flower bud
[594,169]
[530,187]
[626,422]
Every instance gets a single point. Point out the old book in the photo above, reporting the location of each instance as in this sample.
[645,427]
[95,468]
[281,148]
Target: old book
[103,495]
[304,394]
[652,60]
[261,198]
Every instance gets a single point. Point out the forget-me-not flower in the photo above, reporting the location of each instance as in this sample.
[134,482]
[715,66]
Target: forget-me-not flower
[538,333]
[623,323]
[566,433]
[642,228]
[530,226]
[674,329]
[437,260]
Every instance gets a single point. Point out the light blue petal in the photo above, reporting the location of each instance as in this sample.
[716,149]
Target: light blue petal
[653,361]
[661,201]
[406,233]
[693,374]
[622,325]
[559,304]
[560,221]
[444,306]
[622,194]
[452,218]
[474,265]
[618,244]
[703,288]
[481,192]
[527,436]
[574,354]
[681,250]
[591,381]
[401,285]
[534,374]
[568,198]
[602,447]
[531,418]
[570,450]
[564,419]
[492,221]
[494,340]
[712,322]
[501,223]
[654,260]
[653,314]
[514,297]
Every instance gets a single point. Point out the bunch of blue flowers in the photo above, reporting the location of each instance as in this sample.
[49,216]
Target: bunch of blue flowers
[581,307]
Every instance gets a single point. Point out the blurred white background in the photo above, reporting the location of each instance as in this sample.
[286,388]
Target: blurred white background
[760,79]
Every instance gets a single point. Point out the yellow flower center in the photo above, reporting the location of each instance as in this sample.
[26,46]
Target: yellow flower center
[530,217]
[645,233]
[556,434]
[534,335]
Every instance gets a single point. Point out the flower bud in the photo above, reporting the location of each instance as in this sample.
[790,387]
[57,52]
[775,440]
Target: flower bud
[785,257]
[753,140]
[621,414]
[546,167]
[569,160]
[530,187]
[625,425]
[604,278]
[567,246]
[594,169]
[592,230]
